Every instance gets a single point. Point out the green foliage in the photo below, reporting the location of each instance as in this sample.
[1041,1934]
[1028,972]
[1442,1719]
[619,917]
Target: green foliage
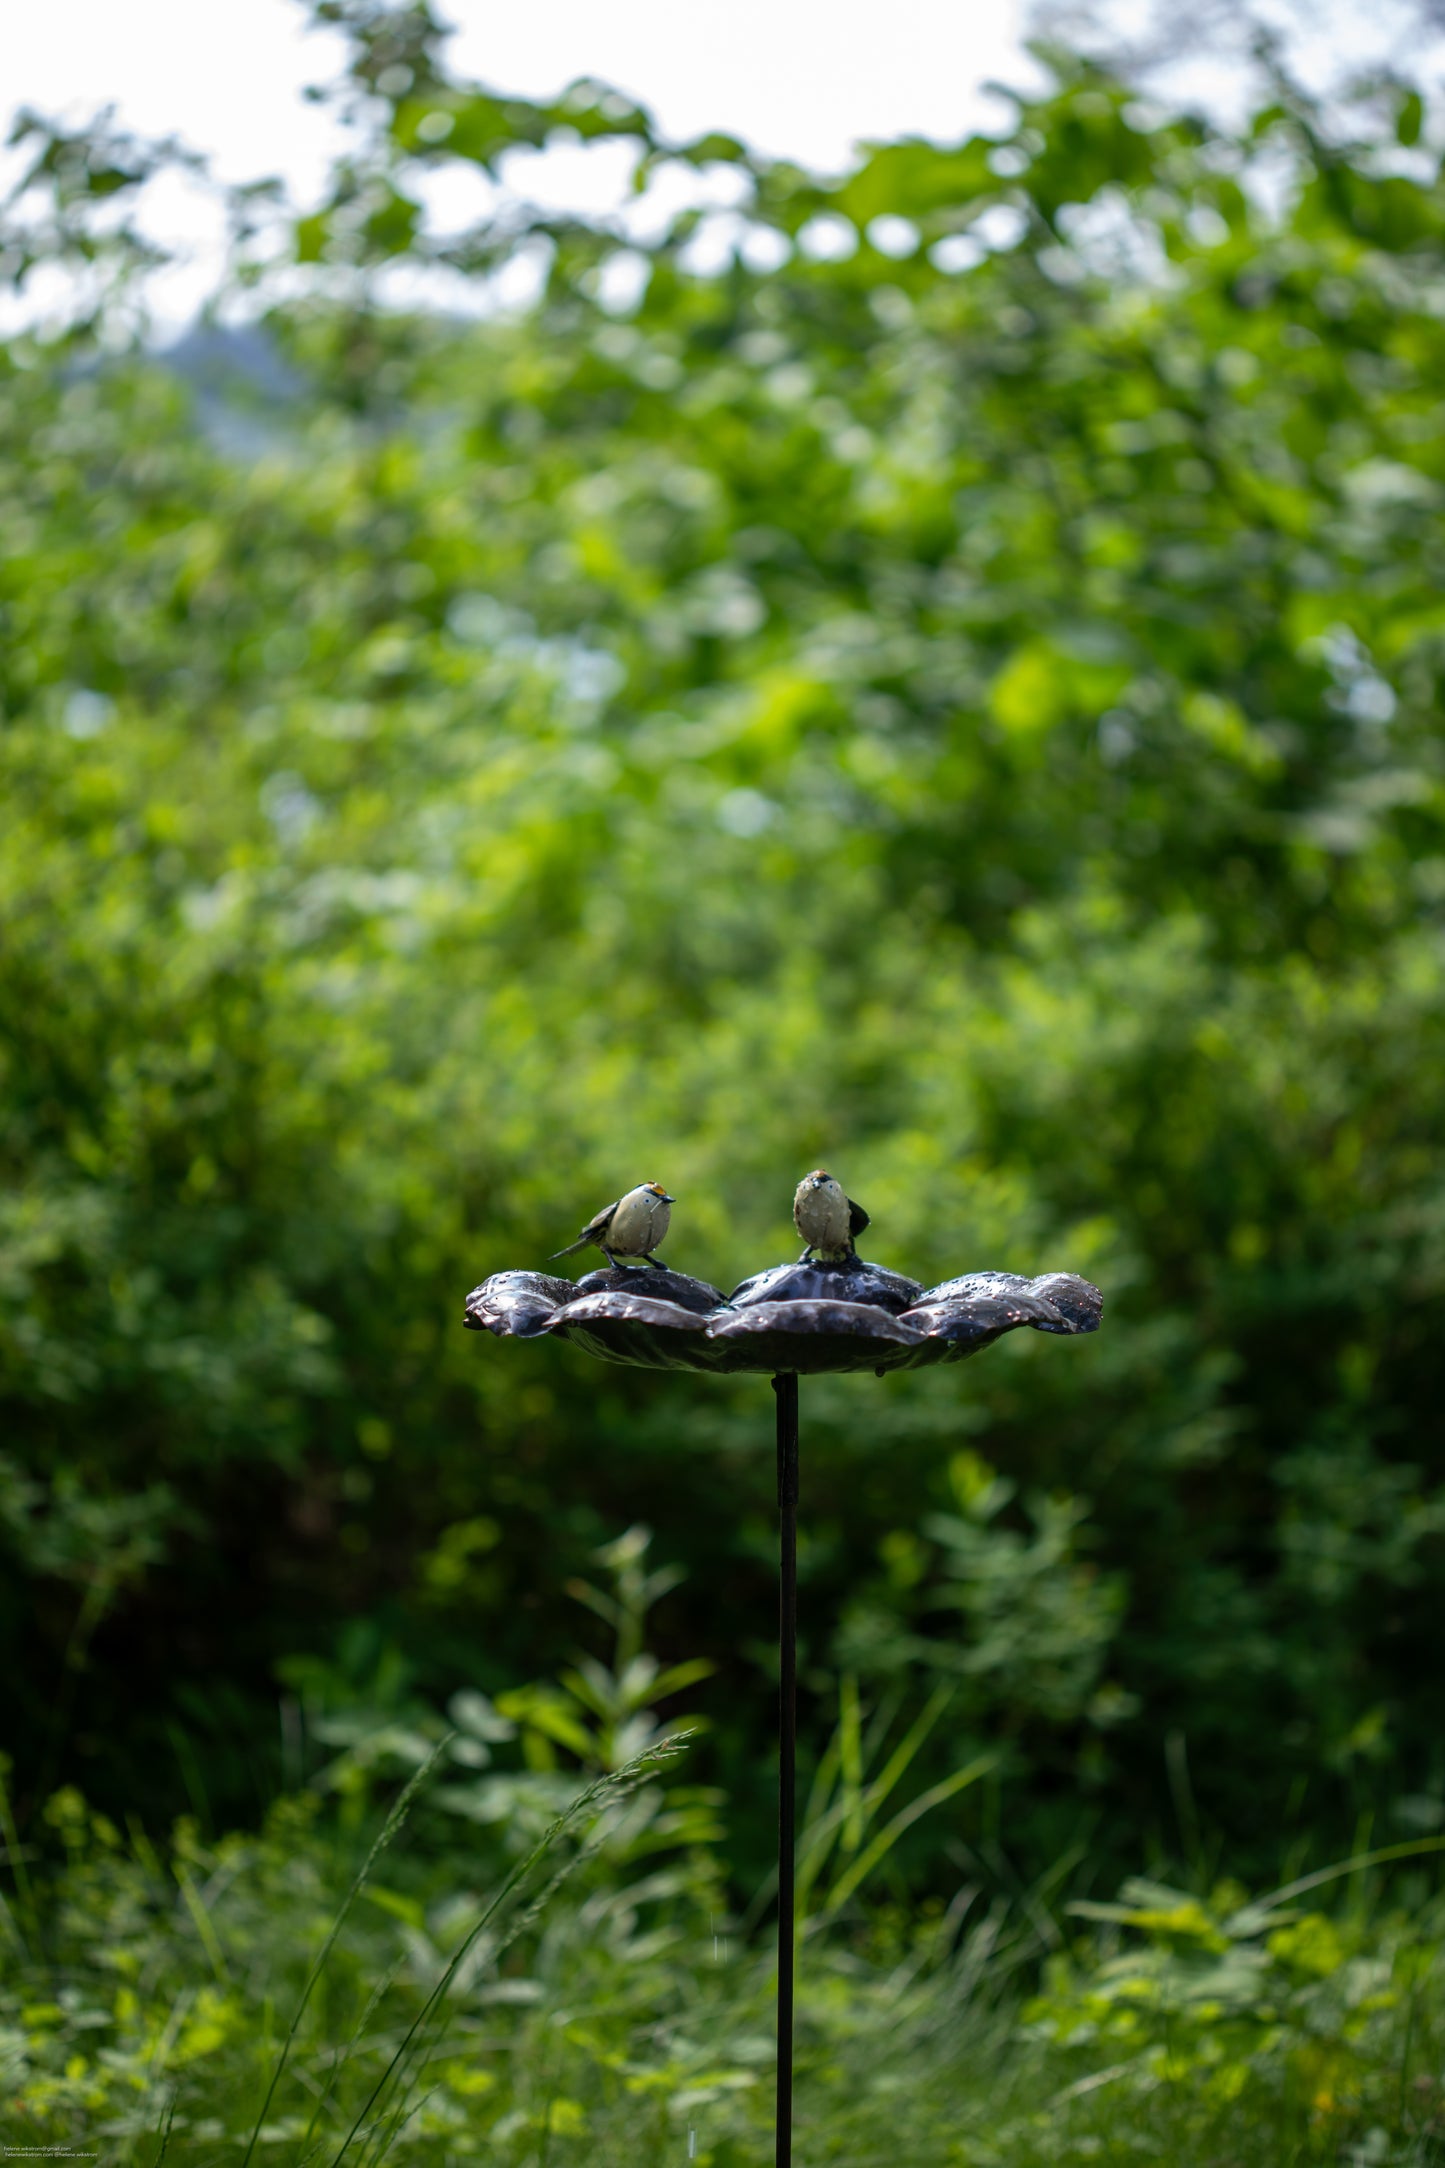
[1246,2013]
[962,703]
[575,1987]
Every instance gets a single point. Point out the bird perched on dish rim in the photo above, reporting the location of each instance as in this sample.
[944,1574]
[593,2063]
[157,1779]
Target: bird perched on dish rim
[632,1227]
[826,1217]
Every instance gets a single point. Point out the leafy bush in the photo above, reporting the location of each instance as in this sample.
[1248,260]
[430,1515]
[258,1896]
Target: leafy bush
[966,707]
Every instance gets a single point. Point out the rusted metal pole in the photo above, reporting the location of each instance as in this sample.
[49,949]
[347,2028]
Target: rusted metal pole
[786,1389]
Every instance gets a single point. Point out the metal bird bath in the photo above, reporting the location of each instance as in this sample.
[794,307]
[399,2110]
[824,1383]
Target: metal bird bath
[791,1321]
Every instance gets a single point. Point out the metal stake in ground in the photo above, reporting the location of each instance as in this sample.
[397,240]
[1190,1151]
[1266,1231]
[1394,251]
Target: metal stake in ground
[786,1388]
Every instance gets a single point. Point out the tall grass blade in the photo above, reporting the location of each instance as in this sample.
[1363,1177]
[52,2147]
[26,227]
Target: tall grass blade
[1414,1848]
[430,2033]
[206,1934]
[165,2144]
[24,1887]
[339,2061]
[850,1762]
[888,1836]
[384,1837]
[907,1747]
[819,1836]
[613,1784]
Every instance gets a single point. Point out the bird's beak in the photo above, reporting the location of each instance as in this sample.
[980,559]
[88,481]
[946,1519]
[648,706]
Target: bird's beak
[668,1200]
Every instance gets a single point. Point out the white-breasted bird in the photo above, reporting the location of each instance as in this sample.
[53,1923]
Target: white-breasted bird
[826,1218]
[633,1227]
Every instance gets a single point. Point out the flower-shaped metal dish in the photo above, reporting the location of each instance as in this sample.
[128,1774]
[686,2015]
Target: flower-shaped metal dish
[804,1318]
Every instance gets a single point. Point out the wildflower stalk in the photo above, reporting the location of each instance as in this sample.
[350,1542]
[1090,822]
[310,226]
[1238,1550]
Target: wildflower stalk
[384,1837]
[614,1784]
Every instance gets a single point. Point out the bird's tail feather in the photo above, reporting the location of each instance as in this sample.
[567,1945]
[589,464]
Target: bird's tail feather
[571,1249]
